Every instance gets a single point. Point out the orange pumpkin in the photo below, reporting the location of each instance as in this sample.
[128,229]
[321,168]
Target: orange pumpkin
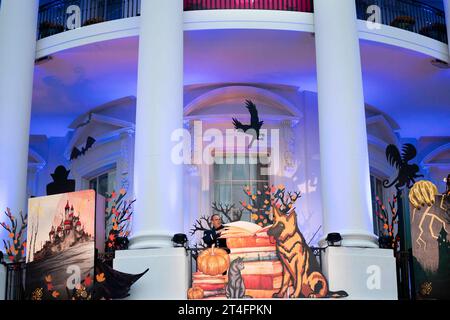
[195,293]
[213,261]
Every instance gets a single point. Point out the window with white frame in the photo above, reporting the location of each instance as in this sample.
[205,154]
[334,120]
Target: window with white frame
[103,183]
[230,180]
[377,190]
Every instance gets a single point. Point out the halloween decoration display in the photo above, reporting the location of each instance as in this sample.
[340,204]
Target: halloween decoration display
[255,124]
[118,221]
[388,238]
[406,175]
[195,293]
[300,268]
[213,261]
[265,261]
[76,153]
[430,244]
[108,284]
[113,284]
[63,233]
[259,205]
[60,182]
[15,245]
[406,172]
[235,288]
[228,212]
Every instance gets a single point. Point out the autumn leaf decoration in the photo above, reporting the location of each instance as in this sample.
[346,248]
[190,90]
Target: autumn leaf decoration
[259,205]
[118,218]
[100,277]
[15,245]
[50,288]
[388,221]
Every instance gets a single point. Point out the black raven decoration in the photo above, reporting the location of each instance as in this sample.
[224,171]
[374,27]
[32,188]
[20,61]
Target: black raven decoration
[406,172]
[255,124]
[77,153]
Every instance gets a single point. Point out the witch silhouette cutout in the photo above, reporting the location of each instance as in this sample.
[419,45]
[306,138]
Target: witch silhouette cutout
[60,182]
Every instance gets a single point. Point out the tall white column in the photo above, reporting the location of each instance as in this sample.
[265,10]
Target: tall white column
[346,197]
[447,21]
[18,25]
[157,180]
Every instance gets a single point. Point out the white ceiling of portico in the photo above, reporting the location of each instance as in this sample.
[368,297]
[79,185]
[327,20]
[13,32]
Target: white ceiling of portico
[399,82]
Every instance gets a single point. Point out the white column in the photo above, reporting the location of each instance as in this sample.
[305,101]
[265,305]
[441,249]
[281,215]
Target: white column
[344,157]
[447,21]
[157,180]
[18,25]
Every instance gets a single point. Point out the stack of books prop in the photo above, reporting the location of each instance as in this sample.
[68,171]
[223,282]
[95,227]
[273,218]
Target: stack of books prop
[210,280]
[262,273]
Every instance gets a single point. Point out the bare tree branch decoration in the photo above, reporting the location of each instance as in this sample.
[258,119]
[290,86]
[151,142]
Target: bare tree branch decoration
[202,224]
[283,202]
[15,245]
[225,210]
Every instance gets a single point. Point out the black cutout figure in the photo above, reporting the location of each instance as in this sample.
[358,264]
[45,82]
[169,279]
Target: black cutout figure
[115,284]
[407,173]
[255,124]
[77,153]
[60,182]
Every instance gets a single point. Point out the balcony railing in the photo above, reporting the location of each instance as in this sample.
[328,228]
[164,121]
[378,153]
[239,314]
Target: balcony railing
[284,5]
[53,16]
[410,15]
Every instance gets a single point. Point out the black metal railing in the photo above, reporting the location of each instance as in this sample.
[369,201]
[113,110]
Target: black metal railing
[15,281]
[409,15]
[284,5]
[53,16]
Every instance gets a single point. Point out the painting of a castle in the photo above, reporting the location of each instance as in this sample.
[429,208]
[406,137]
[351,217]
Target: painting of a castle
[61,240]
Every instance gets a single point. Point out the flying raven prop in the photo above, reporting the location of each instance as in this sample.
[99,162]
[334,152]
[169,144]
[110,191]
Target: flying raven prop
[77,153]
[255,124]
[406,172]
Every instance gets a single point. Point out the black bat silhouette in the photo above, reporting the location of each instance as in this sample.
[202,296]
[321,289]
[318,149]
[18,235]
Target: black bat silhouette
[255,124]
[77,153]
[406,172]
